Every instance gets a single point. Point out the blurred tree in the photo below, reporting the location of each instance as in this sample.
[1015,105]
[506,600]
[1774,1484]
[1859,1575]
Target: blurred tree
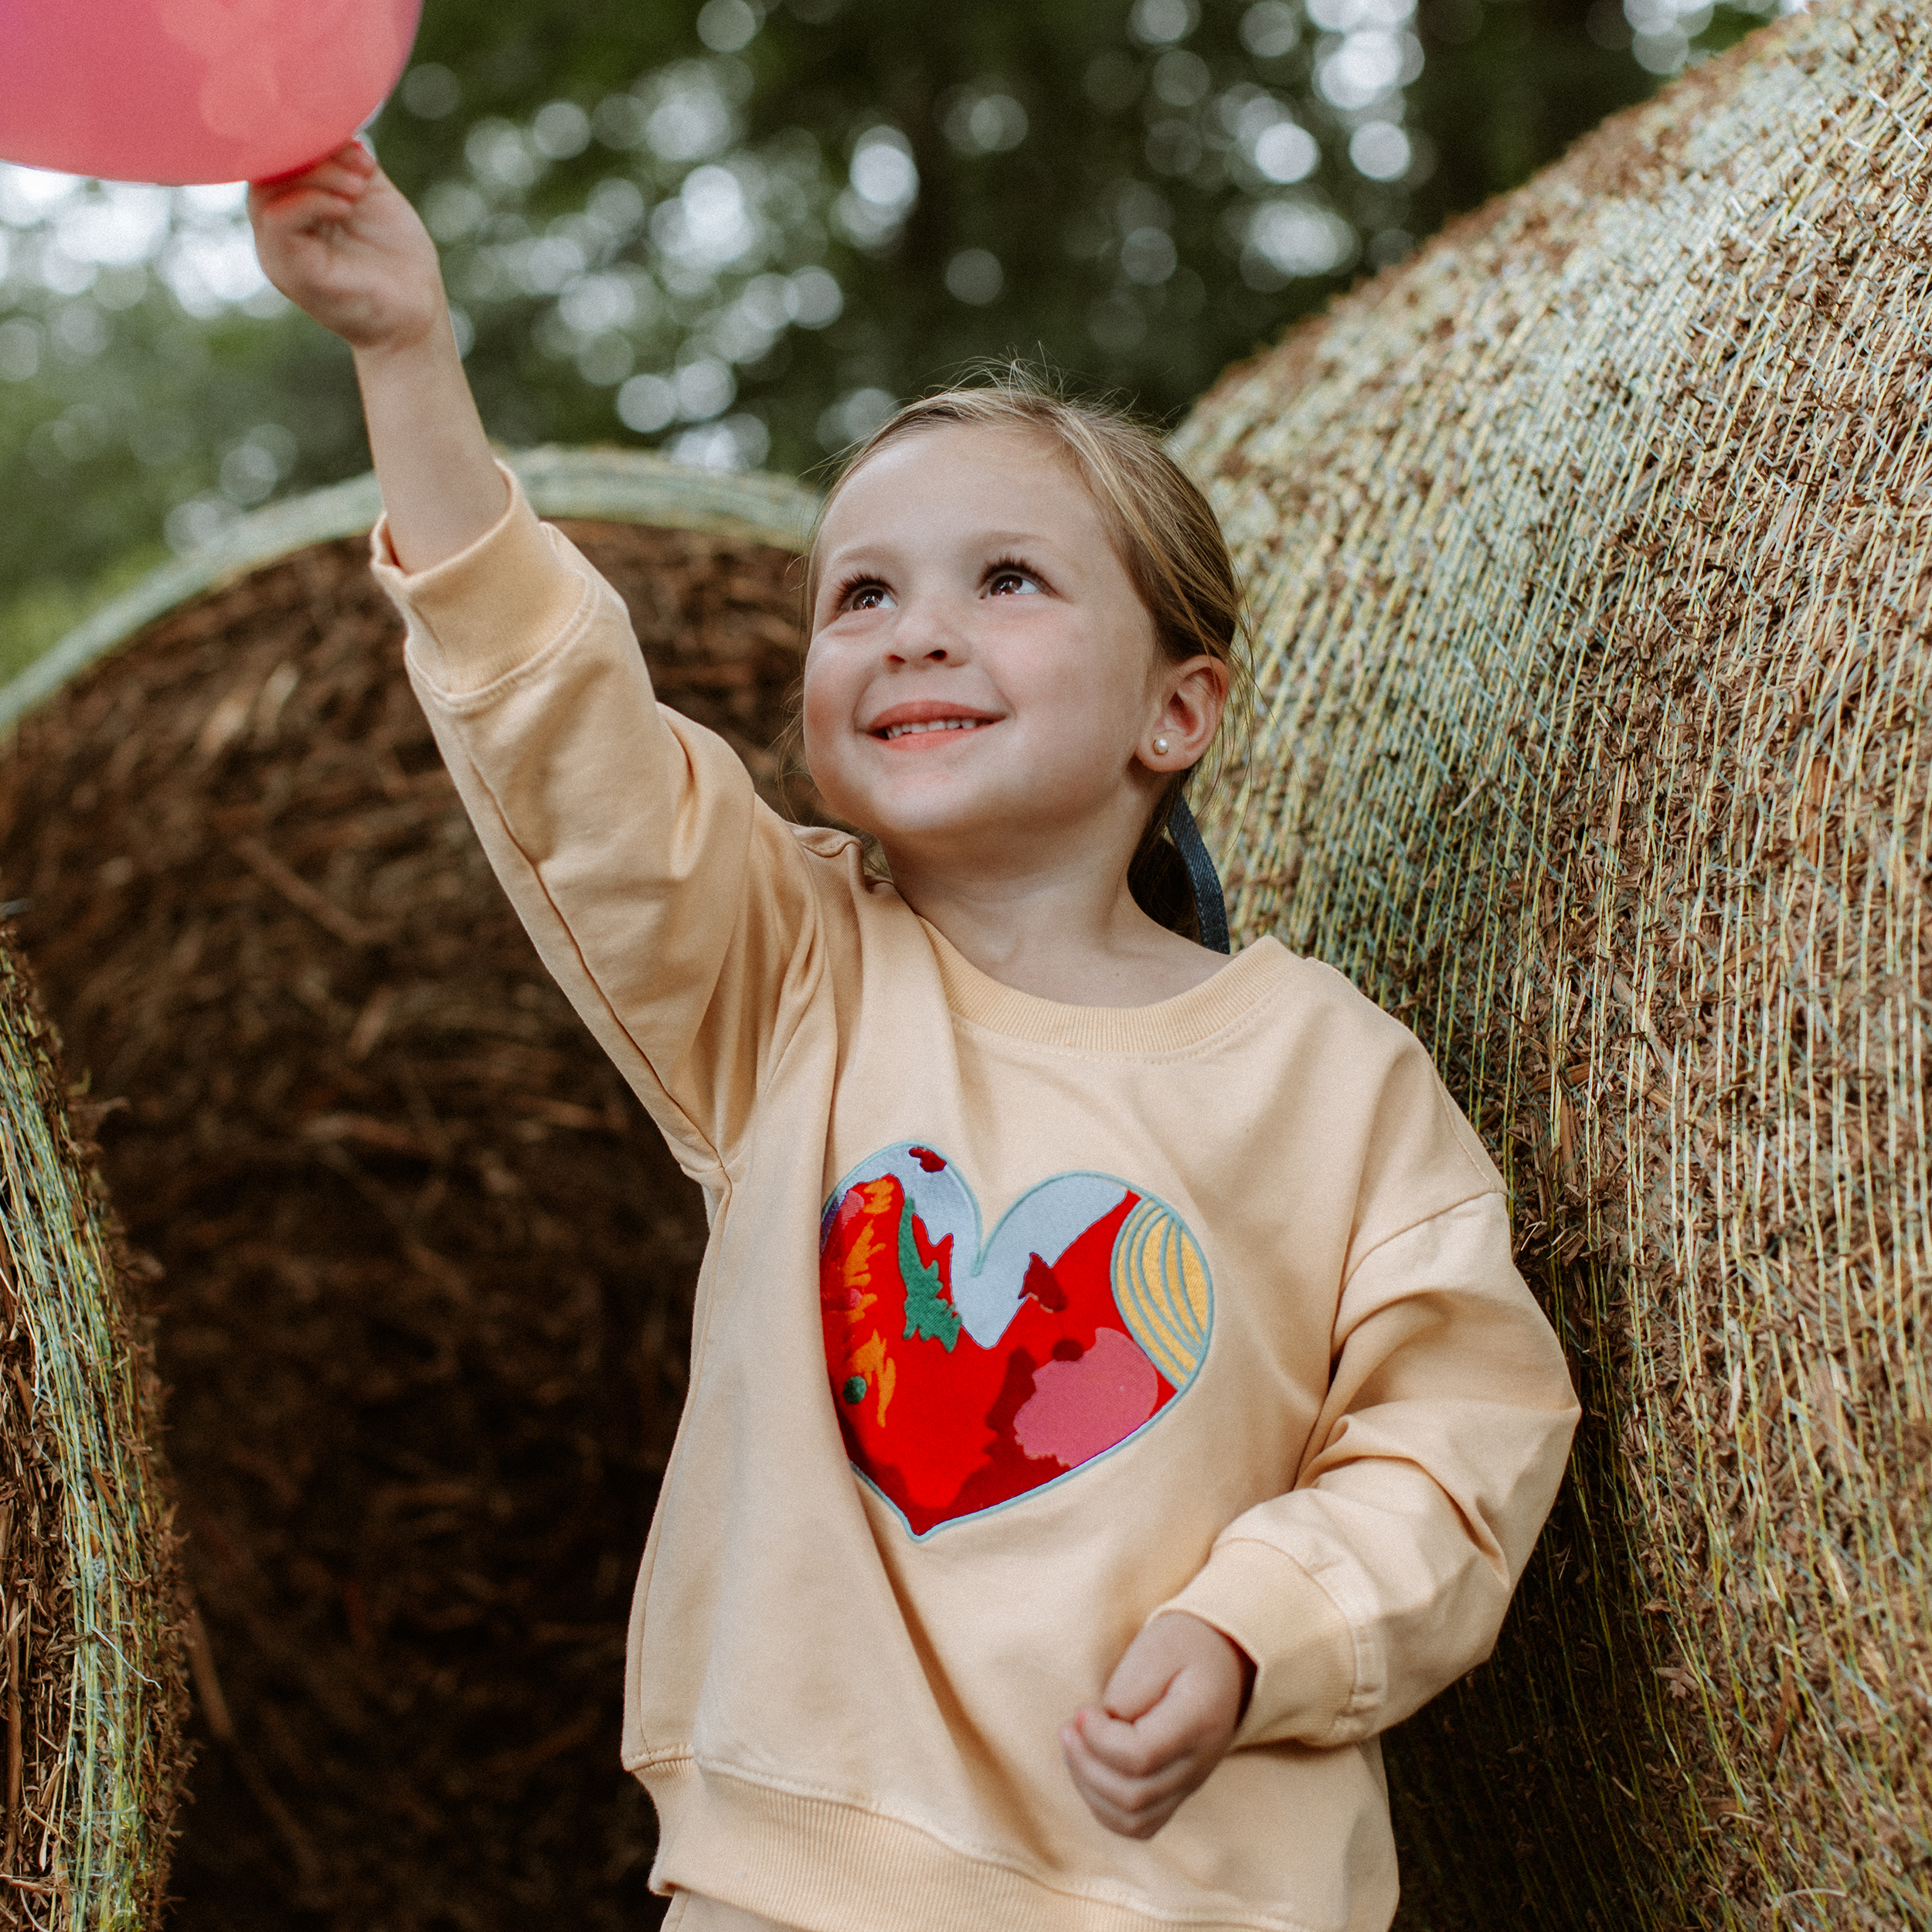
[739,233]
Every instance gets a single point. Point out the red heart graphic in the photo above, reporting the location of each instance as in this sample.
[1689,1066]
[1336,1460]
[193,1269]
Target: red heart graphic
[951,1404]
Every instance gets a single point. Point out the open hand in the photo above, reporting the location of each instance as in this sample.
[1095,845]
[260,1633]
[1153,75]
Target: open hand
[1164,1721]
[339,241]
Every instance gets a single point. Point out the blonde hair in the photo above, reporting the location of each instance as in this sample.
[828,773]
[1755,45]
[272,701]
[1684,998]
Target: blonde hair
[1165,534]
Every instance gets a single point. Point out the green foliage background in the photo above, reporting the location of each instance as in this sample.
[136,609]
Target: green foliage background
[579,160]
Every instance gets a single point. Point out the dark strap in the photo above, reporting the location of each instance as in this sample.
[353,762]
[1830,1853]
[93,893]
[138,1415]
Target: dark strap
[1210,909]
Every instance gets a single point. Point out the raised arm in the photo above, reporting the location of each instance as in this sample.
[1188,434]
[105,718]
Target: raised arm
[670,905]
[341,243]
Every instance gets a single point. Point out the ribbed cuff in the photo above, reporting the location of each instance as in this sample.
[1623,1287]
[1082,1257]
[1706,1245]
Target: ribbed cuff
[1303,1652]
[489,608]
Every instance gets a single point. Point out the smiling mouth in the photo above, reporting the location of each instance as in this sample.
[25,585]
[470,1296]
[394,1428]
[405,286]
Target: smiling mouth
[929,724]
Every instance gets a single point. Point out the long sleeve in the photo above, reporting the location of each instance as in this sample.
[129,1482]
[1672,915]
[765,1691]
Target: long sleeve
[1384,1574]
[673,907]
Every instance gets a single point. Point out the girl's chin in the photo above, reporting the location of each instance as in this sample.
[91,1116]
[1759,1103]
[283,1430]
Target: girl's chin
[921,783]
[944,796]
[950,819]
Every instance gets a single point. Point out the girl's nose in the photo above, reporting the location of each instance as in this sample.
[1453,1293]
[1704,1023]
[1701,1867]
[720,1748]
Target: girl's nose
[923,637]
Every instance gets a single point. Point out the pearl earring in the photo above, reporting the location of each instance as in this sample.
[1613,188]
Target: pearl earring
[1160,747]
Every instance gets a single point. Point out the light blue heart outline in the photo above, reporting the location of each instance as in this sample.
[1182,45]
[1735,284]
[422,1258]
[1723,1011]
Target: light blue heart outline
[890,1160]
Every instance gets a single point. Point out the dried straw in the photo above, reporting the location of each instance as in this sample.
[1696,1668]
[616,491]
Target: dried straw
[1592,557]
[91,1688]
[427,1267]
[619,486]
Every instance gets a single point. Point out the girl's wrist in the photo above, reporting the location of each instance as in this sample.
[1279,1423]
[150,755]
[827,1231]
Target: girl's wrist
[427,341]
[439,480]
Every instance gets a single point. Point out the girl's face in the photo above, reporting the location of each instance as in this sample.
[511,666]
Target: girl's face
[983,680]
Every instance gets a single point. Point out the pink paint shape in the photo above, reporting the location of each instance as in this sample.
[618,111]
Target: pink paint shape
[1078,1409]
[193,90]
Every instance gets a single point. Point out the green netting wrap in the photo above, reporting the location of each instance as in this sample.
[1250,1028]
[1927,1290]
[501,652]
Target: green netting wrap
[90,1665]
[1591,554]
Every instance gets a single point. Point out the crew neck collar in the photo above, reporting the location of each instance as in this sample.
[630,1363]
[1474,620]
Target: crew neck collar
[1165,1027]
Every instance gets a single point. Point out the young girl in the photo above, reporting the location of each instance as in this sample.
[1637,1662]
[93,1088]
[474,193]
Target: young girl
[1112,1402]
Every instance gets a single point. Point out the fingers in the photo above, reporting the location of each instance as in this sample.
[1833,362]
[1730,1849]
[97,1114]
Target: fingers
[1132,1770]
[1142,1677]
[329,191]
[1132,1804]
[352,159]
[304,209]
[1167,1649]
[1172,1706]
[328,179]
[1171,1729]
[1151,1664]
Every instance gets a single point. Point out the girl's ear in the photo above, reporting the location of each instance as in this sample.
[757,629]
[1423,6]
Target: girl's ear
[1189,700]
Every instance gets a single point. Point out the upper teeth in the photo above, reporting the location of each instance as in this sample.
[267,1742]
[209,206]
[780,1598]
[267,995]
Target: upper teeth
[933,724]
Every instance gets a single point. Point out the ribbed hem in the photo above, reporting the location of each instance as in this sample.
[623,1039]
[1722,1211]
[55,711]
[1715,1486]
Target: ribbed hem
[1260,1597]
[828,1864]
[488,609]
[1170,1025]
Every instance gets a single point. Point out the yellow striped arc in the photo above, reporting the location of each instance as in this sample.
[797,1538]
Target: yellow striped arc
[1161,1288]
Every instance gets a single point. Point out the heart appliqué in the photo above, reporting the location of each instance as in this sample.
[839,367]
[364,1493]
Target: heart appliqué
[966,1376]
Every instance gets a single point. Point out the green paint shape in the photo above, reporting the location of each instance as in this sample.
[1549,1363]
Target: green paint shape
[930,1317]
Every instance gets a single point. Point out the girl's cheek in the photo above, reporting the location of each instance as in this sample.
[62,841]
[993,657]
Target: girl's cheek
[825,719]
[822,705]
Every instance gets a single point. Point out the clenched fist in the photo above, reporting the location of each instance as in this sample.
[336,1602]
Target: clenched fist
[1165,1720]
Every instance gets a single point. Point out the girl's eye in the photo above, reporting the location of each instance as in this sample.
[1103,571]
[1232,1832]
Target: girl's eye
[865,597]
[1009,580]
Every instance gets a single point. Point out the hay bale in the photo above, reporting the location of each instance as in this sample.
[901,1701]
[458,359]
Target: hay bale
[427,1265]
[1592,553]
[90,1703]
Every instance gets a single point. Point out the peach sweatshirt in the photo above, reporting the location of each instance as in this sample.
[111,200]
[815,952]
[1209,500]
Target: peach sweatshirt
[1019,1323]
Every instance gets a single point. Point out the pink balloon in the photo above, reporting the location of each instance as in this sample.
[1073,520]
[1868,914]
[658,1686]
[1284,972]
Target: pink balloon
[193,90]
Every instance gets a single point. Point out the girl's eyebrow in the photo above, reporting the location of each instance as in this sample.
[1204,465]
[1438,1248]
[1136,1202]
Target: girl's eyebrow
[872,550]
[882,556]
[1014,540]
